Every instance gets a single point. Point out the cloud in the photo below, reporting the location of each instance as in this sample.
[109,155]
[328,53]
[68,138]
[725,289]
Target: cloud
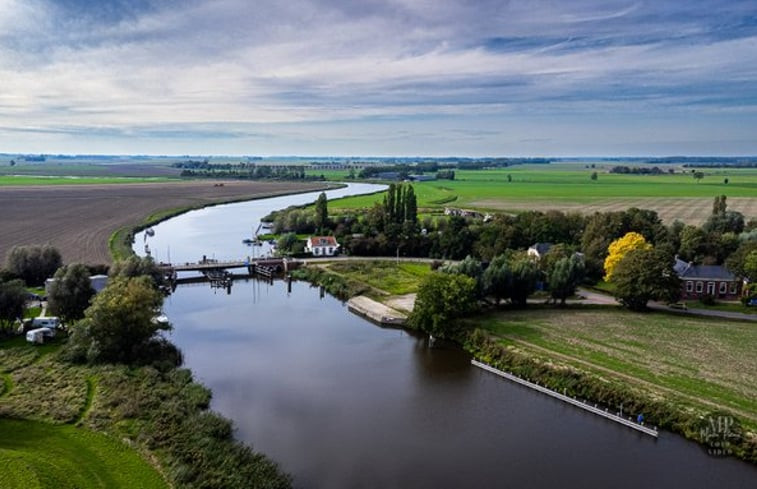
[122,65]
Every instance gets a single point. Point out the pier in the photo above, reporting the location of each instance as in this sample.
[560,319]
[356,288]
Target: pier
[570,400]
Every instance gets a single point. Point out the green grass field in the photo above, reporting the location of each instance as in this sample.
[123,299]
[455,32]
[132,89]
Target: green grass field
[709,361]
[569,188]
[40,455]
[390,277]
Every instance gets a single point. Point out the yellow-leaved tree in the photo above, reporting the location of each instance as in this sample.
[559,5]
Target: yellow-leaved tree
[618,249]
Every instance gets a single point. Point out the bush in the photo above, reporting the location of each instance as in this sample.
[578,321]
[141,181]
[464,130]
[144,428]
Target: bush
[707,299]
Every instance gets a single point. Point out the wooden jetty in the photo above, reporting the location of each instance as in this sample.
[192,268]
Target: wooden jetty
[570,400]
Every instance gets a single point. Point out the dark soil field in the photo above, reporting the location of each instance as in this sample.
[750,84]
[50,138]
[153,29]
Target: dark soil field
[79,219]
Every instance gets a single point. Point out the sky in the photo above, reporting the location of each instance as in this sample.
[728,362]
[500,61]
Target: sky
[368,77]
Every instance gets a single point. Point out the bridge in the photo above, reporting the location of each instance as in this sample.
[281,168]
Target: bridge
[217,272]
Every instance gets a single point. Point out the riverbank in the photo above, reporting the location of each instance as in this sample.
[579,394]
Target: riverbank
[161,417]
[675,370]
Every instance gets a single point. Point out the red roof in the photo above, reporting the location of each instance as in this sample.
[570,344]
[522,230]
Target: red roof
[323,241]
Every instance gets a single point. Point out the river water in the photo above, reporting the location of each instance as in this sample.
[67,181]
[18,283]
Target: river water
[339,402]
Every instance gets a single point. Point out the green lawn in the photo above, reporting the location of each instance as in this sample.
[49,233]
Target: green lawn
[40,455]
[700,358]
[723,306]
[390,277]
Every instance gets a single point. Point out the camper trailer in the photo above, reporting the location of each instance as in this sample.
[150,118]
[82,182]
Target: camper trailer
[37,336]
[51,322]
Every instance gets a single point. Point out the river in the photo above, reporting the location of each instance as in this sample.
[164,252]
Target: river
[339,402]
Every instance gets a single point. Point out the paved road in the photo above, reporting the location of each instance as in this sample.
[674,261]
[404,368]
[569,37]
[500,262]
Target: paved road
[603,299]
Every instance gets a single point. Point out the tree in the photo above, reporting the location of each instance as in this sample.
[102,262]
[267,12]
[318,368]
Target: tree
[725,180]
[120,326]
[509,178]
[725,222]
[33,264]
[455,240]
[321,212]
[750,266]
[411,206]
[70,293]
[497,278]
[469,267]
[594,176]
[645,274]
[736,263]
[698,175]
[442,298]
[135,266]
[287,243]
[619,248]
[525,276]
[719,205]
[564,277]
[12,301]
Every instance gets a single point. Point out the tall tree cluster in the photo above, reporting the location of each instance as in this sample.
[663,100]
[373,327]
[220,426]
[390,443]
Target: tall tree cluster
[33,264]
[400,206]
[12,300]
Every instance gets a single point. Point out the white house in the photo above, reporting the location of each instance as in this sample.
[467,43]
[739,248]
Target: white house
[322,246]
[538,250]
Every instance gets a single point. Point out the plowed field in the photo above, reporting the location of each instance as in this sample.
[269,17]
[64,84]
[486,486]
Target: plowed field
[79,219]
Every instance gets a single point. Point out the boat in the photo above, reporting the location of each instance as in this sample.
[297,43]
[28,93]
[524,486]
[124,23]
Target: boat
[248,241]
[150,232]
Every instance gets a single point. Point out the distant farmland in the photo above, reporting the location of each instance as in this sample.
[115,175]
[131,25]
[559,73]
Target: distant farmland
[79,219]
[677,196]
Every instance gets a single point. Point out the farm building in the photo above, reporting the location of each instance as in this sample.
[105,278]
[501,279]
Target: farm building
[322,246]
[421,178]
[98,283]
[707,280]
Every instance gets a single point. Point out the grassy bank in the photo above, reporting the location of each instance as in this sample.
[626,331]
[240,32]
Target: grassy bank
[666,411]
[379,280]
[160,417]
[37,455]
[706,360]
[674,369]
[384,276]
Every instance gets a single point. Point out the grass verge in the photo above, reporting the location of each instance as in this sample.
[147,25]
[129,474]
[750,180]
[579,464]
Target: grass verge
[161,415]
[37,455]
[386,276]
